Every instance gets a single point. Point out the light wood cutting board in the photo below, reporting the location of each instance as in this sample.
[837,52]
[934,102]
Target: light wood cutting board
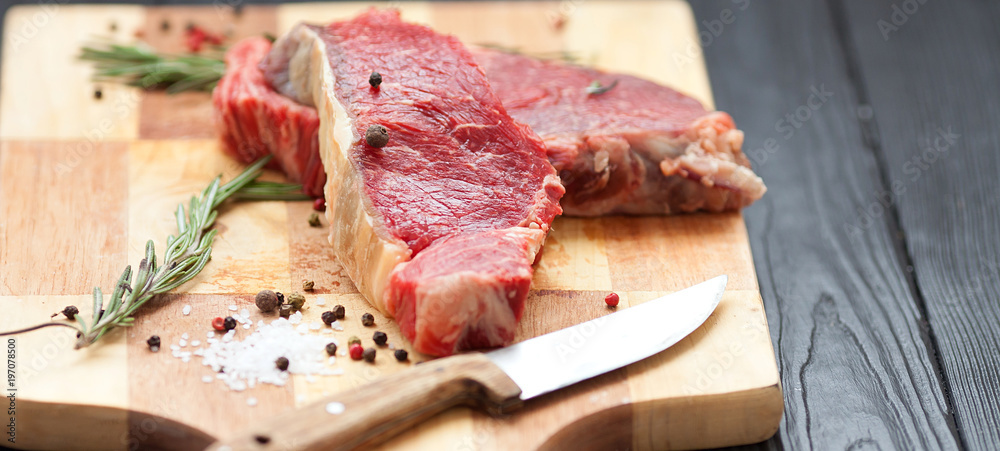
[84,182]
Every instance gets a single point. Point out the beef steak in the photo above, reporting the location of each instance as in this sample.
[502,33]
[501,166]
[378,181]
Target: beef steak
[439,227]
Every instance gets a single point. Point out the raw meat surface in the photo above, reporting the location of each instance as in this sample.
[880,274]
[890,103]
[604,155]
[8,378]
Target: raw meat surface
[254,120]
[456,167]
[638,148]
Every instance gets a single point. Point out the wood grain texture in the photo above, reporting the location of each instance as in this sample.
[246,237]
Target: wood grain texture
[269,245]
[856,363]
[932,85]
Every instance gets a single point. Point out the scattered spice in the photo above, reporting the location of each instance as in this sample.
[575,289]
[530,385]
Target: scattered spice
[270,37]
[339,311]
[377,135]
[314,220]
[308,285]
[281,363]
[354,340]
[331,348]
[113,27]
[153,343]
[285,311]
[380,338]
[98,94]
[369,355]
[281,298]
[596,89]
[229,323]
[356,351]
[266,300]
[219,324]
[70,312]
[296,300]
[197,37]
[319,204]
[367,320]
[375,79]
[262,439]
[165,26]
[611,300]
[401,355]
[328,318]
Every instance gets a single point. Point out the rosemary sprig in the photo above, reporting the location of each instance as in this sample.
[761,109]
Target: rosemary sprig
[141,66]
[185,255]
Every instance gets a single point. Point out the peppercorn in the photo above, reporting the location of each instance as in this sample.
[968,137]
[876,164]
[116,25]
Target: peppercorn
[401,355]
[331,348]
[367,320]
[356,351]
[281,363]
[375,79]
[262,439]
[296,300]
[380,338]
[153,343]
[328,318]
[319,204]
[377,135]
[369,355]
[266,301]
[219,324]
[165,25]
[308,285]
[70,311]
[314,220]
[229,323]
[611,300]
[281,298]
[98,94]
[339,311]
[285,311]
[354,340]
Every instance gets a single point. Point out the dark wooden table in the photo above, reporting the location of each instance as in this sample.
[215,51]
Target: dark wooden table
[876,125]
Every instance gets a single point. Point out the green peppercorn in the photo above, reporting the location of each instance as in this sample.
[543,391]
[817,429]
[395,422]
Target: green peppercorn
[401,355]
[328,318]
[266,301]
[380,338]
[331,348]
[369,355]
[285,311]
[229,323]
[367,320]
[308,285]
[296,300]
[153,343]
[314,220]
[353,340]
[281,363]
[339,311]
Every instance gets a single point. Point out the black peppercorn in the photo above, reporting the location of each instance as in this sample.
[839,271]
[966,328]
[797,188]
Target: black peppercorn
[266,301]
[281,363]
[369,355]
[380,338]
[331,348]
[98,94]
[165,25]
[375,79]
[328,318]
[401,355]
[339,311]
[229,323]
[262,439]
[367,320]
[377,136]
[153,343]
[281,298]
[70,311]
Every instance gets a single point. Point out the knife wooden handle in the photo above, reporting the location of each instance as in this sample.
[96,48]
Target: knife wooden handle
[383,408]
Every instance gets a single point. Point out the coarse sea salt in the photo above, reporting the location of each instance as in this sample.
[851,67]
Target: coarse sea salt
[247,362]
[320,302]
[187,310]
[251,401]
[195,343]
[233,308]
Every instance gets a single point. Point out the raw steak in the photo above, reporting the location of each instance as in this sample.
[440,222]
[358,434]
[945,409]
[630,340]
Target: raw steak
[637,148]
[254,120]
[440,226]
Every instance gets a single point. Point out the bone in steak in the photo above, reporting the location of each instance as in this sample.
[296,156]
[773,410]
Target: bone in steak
[440,226]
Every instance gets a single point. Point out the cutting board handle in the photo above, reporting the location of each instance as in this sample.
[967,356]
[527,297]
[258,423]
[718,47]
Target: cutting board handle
[379,410]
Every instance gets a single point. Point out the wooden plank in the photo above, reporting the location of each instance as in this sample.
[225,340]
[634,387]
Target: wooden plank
[929,72]
[846,324]
[48,189]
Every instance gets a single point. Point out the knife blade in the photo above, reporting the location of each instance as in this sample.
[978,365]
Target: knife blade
[498,381]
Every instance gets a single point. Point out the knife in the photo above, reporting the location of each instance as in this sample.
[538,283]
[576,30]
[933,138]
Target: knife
[498,381]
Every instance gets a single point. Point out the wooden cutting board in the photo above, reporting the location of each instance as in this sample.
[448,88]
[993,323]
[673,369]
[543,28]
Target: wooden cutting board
[84,182]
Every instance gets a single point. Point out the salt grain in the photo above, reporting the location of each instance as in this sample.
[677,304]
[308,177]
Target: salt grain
[320,302]
[233,308]
[187,310]
[314,326]
[210,335]
[335,408]
[246,326]
[295,318]
[207,379]
[195,343]
[245,313]
[183,343]
[185,336]
[251,401]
